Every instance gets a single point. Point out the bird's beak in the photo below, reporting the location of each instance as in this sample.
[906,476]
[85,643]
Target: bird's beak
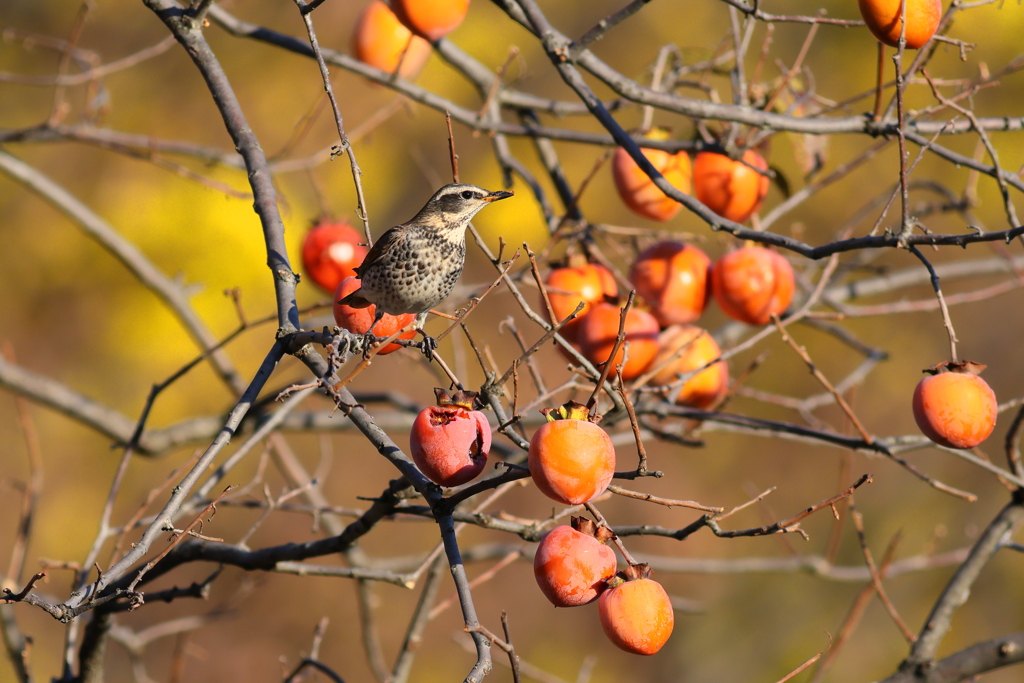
[495,196]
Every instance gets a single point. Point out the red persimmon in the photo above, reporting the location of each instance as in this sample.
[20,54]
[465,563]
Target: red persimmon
[572,563]
[450,441]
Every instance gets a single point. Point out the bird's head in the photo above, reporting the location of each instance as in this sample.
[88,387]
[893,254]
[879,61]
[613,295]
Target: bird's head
[454,205]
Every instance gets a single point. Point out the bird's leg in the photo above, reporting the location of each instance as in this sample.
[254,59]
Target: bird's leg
[369,338]
[429,344]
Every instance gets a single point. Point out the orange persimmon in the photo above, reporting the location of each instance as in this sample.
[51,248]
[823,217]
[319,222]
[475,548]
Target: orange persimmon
[639,192]
[636,612]
[380,40]
[571,459]
[752,283]
[432,19]
[729,188]
[672,278]
[883,20]
[691,348]
[600,328]
[954,407]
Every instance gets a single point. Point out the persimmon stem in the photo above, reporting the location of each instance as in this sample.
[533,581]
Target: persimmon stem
[615,539]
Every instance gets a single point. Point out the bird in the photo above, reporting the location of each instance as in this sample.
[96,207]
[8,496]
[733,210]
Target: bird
[414,266]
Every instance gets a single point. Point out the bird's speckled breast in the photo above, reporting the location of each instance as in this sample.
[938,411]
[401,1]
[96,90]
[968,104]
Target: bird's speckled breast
[419,272]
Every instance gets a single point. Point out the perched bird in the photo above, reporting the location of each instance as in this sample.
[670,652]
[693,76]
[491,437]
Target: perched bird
[414,266]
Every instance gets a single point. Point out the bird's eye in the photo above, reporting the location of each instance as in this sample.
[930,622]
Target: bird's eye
[467,195]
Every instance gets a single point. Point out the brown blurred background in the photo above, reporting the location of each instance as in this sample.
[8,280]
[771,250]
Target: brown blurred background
[71,312]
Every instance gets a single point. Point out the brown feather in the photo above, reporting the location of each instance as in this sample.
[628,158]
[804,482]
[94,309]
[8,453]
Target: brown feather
[379,249]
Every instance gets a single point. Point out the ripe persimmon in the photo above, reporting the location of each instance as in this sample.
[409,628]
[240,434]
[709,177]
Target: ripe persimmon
[572,563]
[600,328]
[358,320]
[330,253]
[589,283]
[883,20]
[380,40]
[432,19]
[637,189]
[752,283]
[571,459]
[691,348]
[672,278]
[636,612]
[954,407]
[450,441]
[729,188]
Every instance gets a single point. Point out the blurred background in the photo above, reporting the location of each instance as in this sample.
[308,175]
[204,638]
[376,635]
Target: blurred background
[71,312]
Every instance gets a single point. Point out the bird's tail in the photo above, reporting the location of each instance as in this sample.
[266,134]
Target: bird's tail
[354,299]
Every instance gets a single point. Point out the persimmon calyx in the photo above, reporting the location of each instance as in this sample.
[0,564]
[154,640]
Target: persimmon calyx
[659,133]
[577,260]
[569,411]
[591,528]
[964,367]
[470,400]
[630,573]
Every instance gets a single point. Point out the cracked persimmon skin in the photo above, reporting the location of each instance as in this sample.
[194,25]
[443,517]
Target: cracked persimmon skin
[330,253]
[883,20]
[571,567]
[450,444]
[358,320]
[751,284]
[637,616]
[955,410]
[432,19]
[571,461]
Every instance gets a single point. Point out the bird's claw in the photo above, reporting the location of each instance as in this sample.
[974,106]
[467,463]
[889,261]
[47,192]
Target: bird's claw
[428,346]
[369,341]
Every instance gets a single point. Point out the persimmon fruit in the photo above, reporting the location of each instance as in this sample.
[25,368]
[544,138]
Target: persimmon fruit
[639,192]
[358,320]
[672,278]
[571,459]
[572,563]
[751,284]
[600,328]
[636,612]
[589,283]
[330,253]
[883,20]
[381,41]
[432,19]
[729,188]
[691,348]
[954,407]
[450,441]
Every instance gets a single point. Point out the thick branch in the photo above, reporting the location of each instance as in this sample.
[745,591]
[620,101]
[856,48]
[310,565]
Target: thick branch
[959,587]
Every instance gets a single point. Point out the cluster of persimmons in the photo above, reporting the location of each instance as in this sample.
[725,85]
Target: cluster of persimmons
[571,458]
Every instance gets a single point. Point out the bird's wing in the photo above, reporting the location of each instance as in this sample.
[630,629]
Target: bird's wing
[354,300]
[380,249]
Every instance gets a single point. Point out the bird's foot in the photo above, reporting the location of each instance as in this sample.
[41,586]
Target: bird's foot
[369,341]
[428,346]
